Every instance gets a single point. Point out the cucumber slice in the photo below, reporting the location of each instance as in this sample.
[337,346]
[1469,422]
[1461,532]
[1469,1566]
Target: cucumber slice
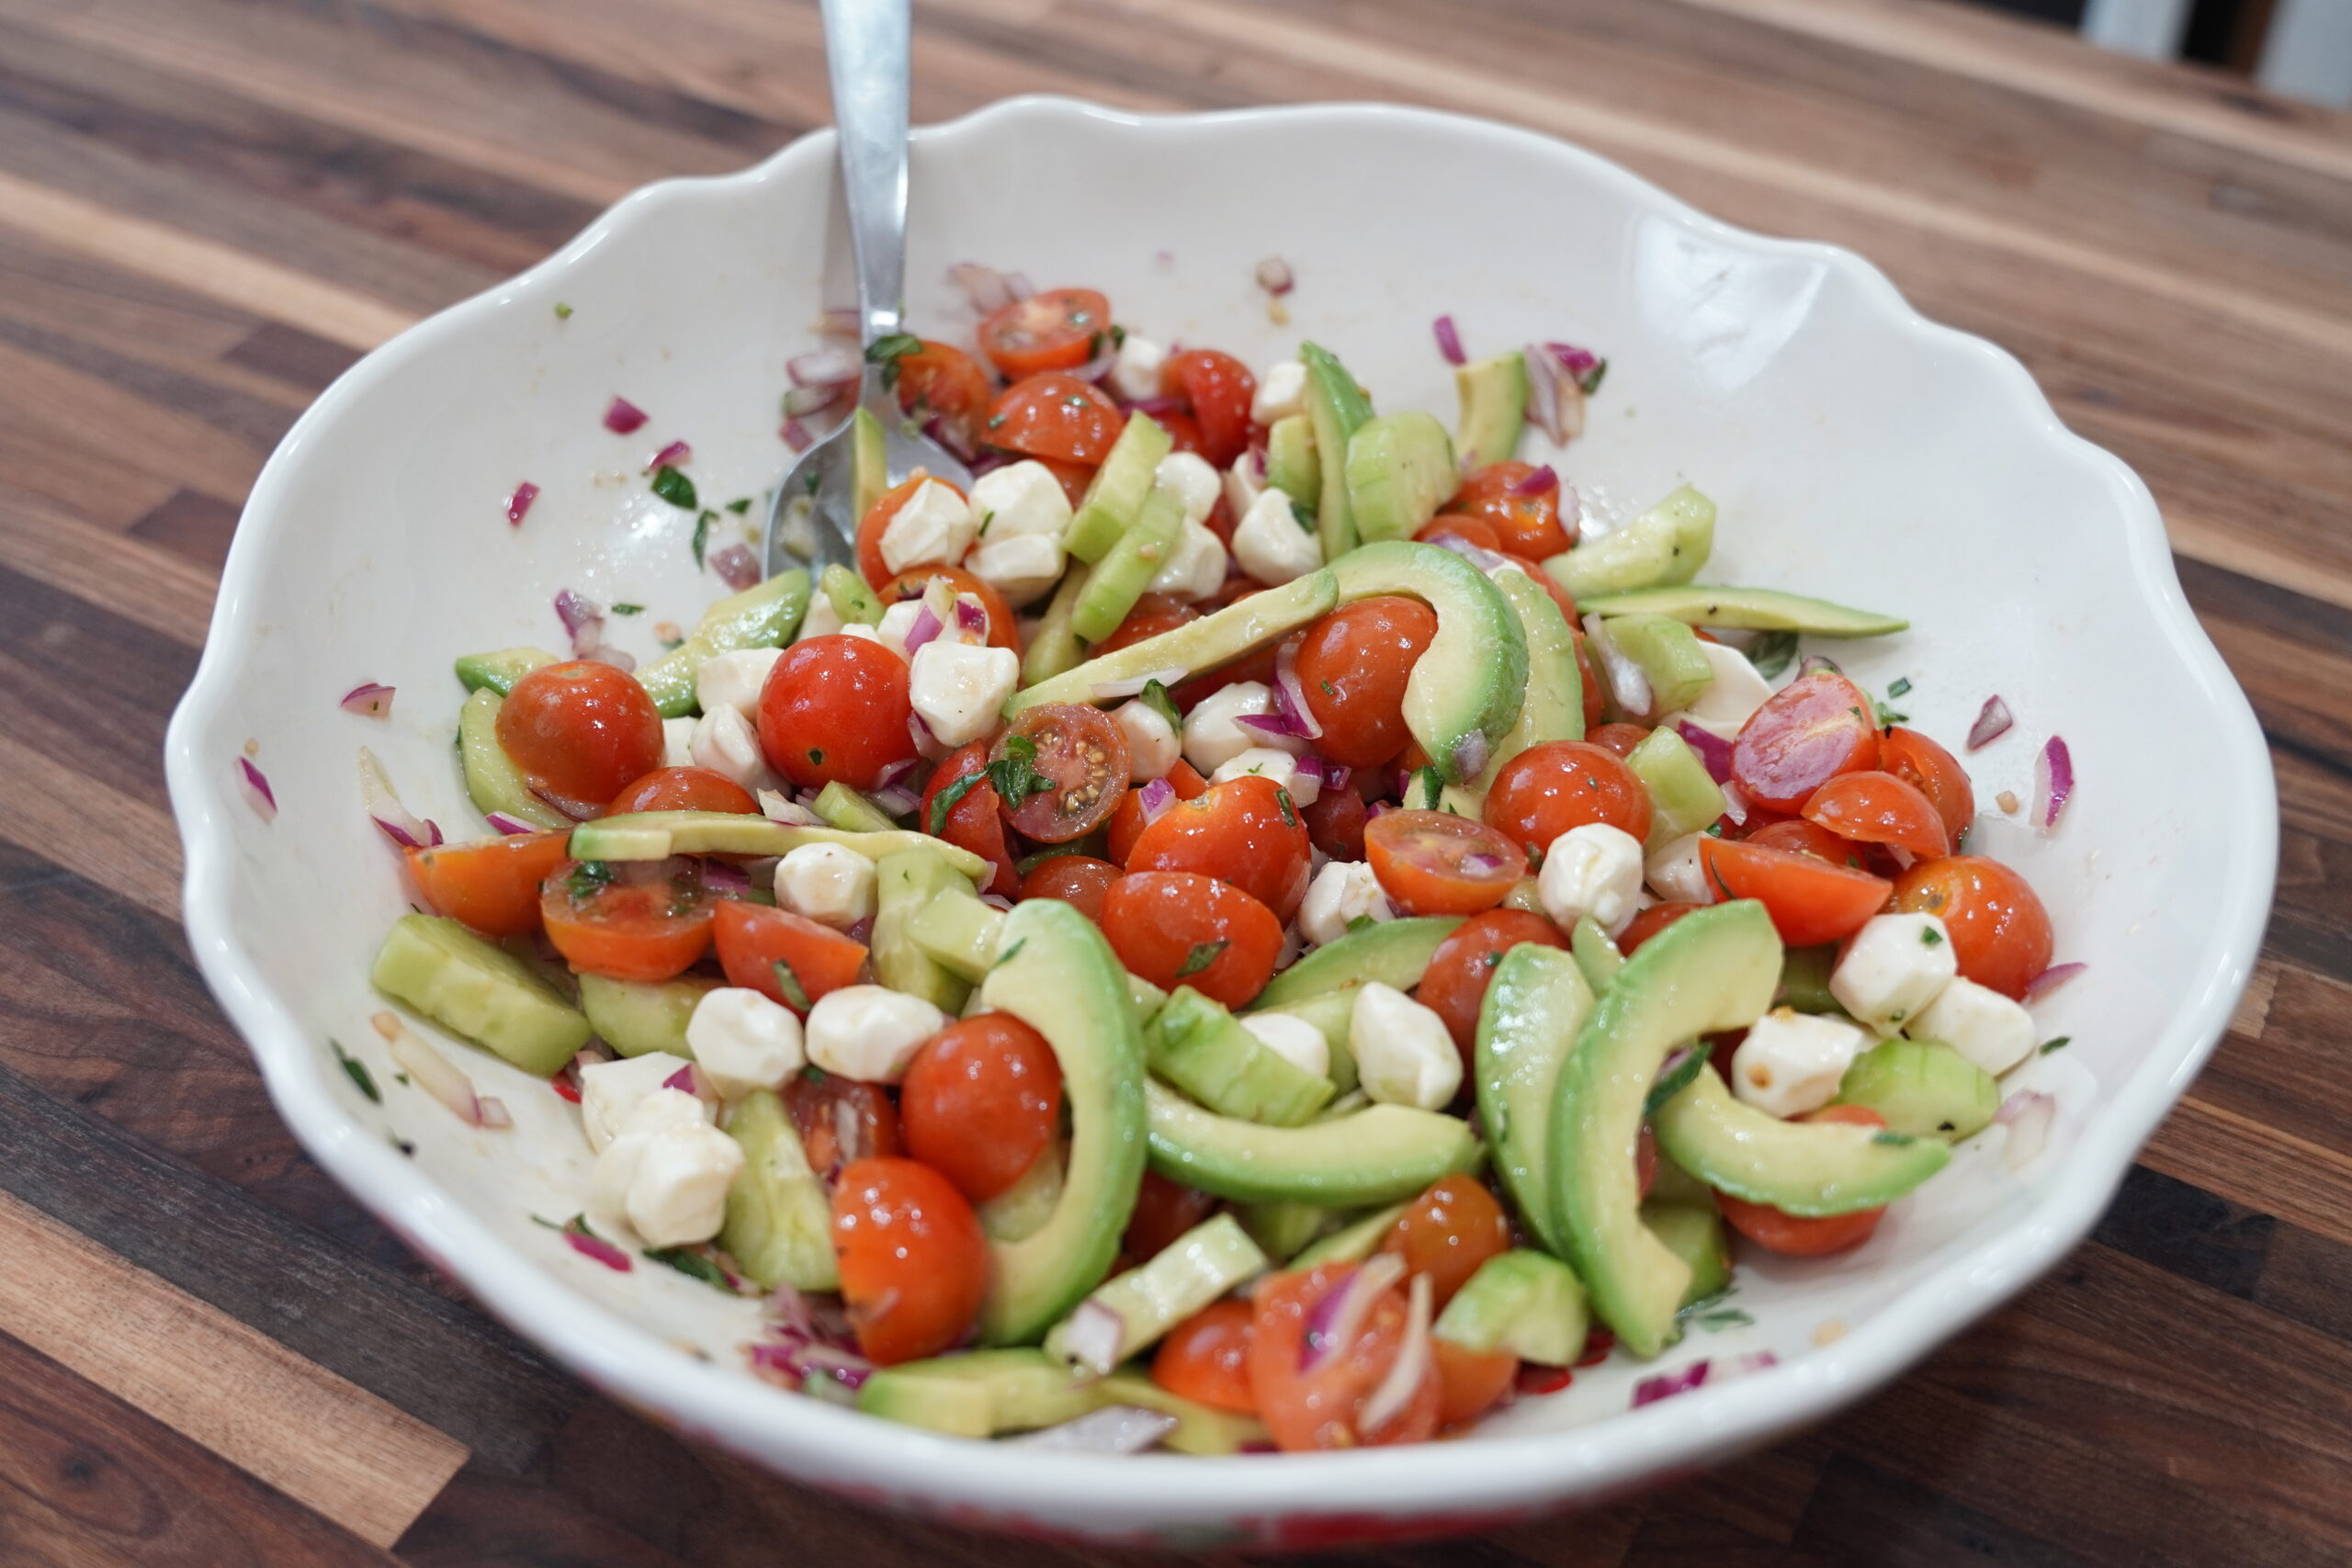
[1400,467]
[1749,609]
[1535,1003]
[1292,466]
[1337,409]
[478,991]
[843,808]
[1694,1233]
[1922,1086]
[1395,952]
[1054,649]
[657,835]
[905,884]
[1216,640]
[1353,1242]
[1114,497]
[761,616]
[1375,1155]
[493,780]
[959,934]
[779,1224]
[1809,1168]
[498,671]
[1467,686]
[1554,706]
[1684,797]
[852,600]
[1284,1230]
[980,1394]
[1667,654]
[1333,1012]
[1196,1044]
[1147,1300]
[1526,1302]
[1595,953]
[635,1017]
[1494,409]
[1667,545]
[1128,566]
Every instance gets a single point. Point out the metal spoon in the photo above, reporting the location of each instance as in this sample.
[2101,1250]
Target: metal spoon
[868,50]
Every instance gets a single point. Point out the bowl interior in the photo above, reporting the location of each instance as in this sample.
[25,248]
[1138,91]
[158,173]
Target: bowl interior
[1855,452]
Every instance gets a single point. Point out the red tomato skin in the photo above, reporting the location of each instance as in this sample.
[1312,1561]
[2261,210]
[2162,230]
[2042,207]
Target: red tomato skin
[1811,901]
[626,933]
[1454,984]
[1164,1211]
[827,1109]
[1083,751]
[836,708]
[1618,738]
[1307,1410]
[683,789]
[1126,824]
[1651,921]
[1055,329]
[1353,665]
[1805,734]
[1527,523]
[942,381]
[580,731]
[1335,823]
[1247,831]
[1057,417]
[1794,1235]
[2000,931]
[914,1263]
[975,822]
[980,1101]
[492,885]
[750,938]
[1470,1381]
[1157,921]
[1206,1357]
[1934,772]
[1081,881]
[1447,1232]
[1422,862]
[1220,389]
[1559,784]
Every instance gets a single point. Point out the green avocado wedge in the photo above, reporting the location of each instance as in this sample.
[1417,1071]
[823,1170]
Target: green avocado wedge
[1375,1156]
[1745,609]
[1712,970]
[763,615]
[657,835]
[1494,409]
[1808,1169]
[1467,687]
[1233,633]
[1667,545]
[986,1394]
[498,671]
[1335,410]
[1395,952]
[1536,1003]
[493,780]
[1554,708]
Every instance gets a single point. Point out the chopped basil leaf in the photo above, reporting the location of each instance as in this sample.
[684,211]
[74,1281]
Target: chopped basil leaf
[816,756]
[1327,689]
[740,506]
[356,1070]
[1891,1140]
[1773,652]
[1007,955]
[1930,937]
[578,1225]
[1887,718]
[693,1264]
[1155,698]
[945,800]
[1902,684]
[1675,1082]
[796,994]
[1589,382]
[1118,335]
[701,535]
[675,488]
[629,609]
[1204,954]
[562,311]
[1432,783]
[888,351]
[2060,1044]
[1281,799]
[588,878]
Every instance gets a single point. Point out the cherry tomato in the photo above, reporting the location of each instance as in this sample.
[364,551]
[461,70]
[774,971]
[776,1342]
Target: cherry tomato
[1354,666]
[1805,734]
[1076,478]
[2000,932]
[1618,738]
[492,885]
[752,939]
[1811,901]
[1463,526]
[683,789]
[1307,1407]
[1795,1236]
[1055,416]
[972,820]
[1164,1210]
[1060,328]
[1003,630]
[1078,755]
[1335,823]
[1153,614]
[1934,772]
[840,1120]
[1879,808]
[1079,881]
[877,522]
[980,1101]
[1174,929]
[1127,823]
[1448,1232]
[1559,784]
[1649,922]
[1246,831]
[580,731]
[628,919]
[1799,837]
[1470,1382]
[914,1263]
[1433,862]
[1183,429]
[1219,388]
[1206,1357]
[836,708]
[1454,984]
[942,381]
[1524,516]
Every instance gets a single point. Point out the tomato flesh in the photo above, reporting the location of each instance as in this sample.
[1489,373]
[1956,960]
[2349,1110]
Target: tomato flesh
[1447,1232]
[1433,862]
[1247,831]
[1522,508]
[1811,901]
[1220,388]
[753,939]
[1879,808]
[581,732]
[1164,1211]
[841,1120]
[980,1101]
[943,382]
[1934,772]
[1070,763]
[628,919]
[1206,1357]
[1310,1406]
[1059,328]
[836,709]
[1353,665]
[1176,927]
[1559,784]
[913,1261]
[2000,932]
[1454,984]
[493,885]
[1805,734]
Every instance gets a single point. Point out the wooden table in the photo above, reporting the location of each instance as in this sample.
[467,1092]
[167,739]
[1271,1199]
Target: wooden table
[208,207]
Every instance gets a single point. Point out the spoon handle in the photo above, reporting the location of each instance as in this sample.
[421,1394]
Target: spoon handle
[869,48]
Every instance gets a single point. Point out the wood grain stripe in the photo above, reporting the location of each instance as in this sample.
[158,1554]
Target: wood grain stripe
[90,828]
[359,1460]
[100,567]
[2253,1163]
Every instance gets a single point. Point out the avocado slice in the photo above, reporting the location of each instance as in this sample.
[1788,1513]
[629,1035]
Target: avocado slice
[1554,708]
[1804,980]
[1667,652]
[493,780]
[1713,969]
[1494,409]
[1748,609]
[1353,1242]
[869,464]
[984,1393]
[779,1223]
[1395,952]
[475,989]
[1400,469]
[1115,497]
[1375,1155]
[635,1017]
[1196,1044]
[1284,1230]
[1536,1003]
[1021,1210]
[1596,955]
[1666,544]
[1233,633]
[762,616]
[1056,974]
[1152,1298]
[1201,1429]
[906,884]
[1922,1086]
[854,600]
[1054,648]
[1128,564]
[1810,1169]
[1694,1233]
[1684,796]
[657,835]
[1336,407]
[1527,1302]
[1292,466]
[843,808]
[1467,686]
[498,671]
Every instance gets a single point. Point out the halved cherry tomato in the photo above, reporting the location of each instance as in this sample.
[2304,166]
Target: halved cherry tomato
[1076,478]
[1811,901]
[1075,763]
[1618,738]
[1934,772]
[1246,831]
[914,1263]
[683,789]
[1433,862]
[580,731]
[841,1120]
[836,708]
[1461,525]
[1335,823]
[1524,515]
[1879,808]
[1454,984]
[1127,823]
[877,522]
[1079,881]
[1177,929]
[1352,667]
[1003,630]
[1649,922]
[1315,1403]
[1794,1235]
[752,939]
[1805,734]
[1059,329]
[1183,429]
[1447,1232]
[1164,1210]
[628,919]
[1799,837]
[1055,416]
[942,381]
[491,886]
[2000,932]
[1153,614]
[972,820]
[1206,1357]
[1220,388]
[1559,784]
[1470,1381]
[980,1101]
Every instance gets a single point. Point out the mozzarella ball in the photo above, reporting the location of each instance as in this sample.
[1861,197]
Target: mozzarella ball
[1792,1062]
[869,1033]
[1135,369]
[933,528]
[1195,566]
[734,680]
[1342,893]
[1212,738]
[726,744]
[1893,968]
[960,689]
[1593,869]
[612,1092]
[1294,1040]
[741,1041]
[832,884]
[1989,1029]
[1404,1054]
[1281,391]
[1152,746]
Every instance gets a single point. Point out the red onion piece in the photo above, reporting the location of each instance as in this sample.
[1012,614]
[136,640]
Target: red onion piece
[1649,1391]
[1537,482]
[1290,696]
[1480,861]
[430,1070]
[971,616]
[1273,724]
[597,1247]
[684,1078]
[989,462]
[1112,690]
[509,825]
[1100,365]
[676,454]
[1018,282]
[2049,979]
[1411,1366]
[1583,367]
[1478,556]
[1735,806]
[925,741]
[777,808]
[801,401]
[1096,1337]
[894,802]
[724,878]
[737,566]
[1625,678]
[795,436]
[1713,749]
[1336,1318]
[2053,781]
[582,618]
[985,286]
[1156,796]
[1114,1430]
[494,1114]
[950,434]
[898,772]
[1554,397]
[384,807]
[623,417]
[2027,1115]
[925,628]
[369,701]
[1274,276]
[520,501]
[258,792]
[1449,342]
[1993,721]
[1154,407]
[605,653]
[830,367]
[1813,663]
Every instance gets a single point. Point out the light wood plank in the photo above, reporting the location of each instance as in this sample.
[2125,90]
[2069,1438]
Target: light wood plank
[90,828]
[2253,1163]
[168,591]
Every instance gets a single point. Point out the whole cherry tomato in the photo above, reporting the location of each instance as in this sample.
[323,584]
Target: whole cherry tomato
[1449,1233]
[980,1101]
[1559,784]
[1795,1236]
[1177,929]
[1153,614]
[1649,922]
[1521,502]
[1127,823]
[1247,831]
[1352,668]
[683,789]
[1618,738]
[2000,933]
[1077,880]
[914,1263]
[1220,388]
[581,732]
[836,708]
[1335,823]
[1454,984]
[1164,1211]
[1470,1381]
[1206,1357]
[841,1120]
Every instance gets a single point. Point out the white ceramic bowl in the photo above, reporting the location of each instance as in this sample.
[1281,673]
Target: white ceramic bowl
[1856,450]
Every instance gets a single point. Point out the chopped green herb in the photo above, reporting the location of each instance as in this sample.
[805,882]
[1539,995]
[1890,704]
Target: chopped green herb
[740,506]
[357,1071]
[693,1264]
[400,1078]
[1204,954]
[588,878]
[675,488]
[578,1225]
[1589,382]
[995,420]
[947,800]
[986,518]
[1093,345]
[1327,689]
[629,609]
[1674,1081]
[1155,698]
[796,994]
[402,1144]
[811,482]
[1118,335]
[1281,799]
[562,311]
[888,351]
[542,1220]
[1030,862]
[1902,684]
[1361,922]
[1887,718]
[816,756]
[1723,1317]
[1930,937]
[1891,1140]
[1714,829]
[1773,652]
[1007,955]
[701,535]
[2060,1044]
[1432,783]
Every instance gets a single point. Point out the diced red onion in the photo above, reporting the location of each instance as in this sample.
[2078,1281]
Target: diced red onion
[1625,678]
[431,1071]
[1818,663]
[985,286]
[2049,979]
[623,417]
[898,772]
[1470,754]
[1156,796]
[724,877]
[1112,690]
[1336,1318]
[369,701]
[1096,1337]
[926,742]
[1535,482]
[925,628]
[684,1078]
[258,792]
[989,462]
[950,434]
[1476,555]
[795,436]
[676,454]
[1018,282]
[1377,809]
[1649,1391]
[605,653]
[971,616]
[1280,726]
[1114,1430]
[830,367]
[801,401]
[1735,805]
[777,808]
[520,501]
[2053,781]
[1155,407]
[2027,1115]
[1713,749]
[1327,774]
[997,901]
[1100,365]
[510,824]
[1993,721]
[1479,861]
[894,801]
[1582,365]
[737,566]
[1449,342]
[1411,1366]
[1554,397]
[1571,510]
[582,618]
[1290,696]
[1274,276]
[602,1251]
[384,807]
